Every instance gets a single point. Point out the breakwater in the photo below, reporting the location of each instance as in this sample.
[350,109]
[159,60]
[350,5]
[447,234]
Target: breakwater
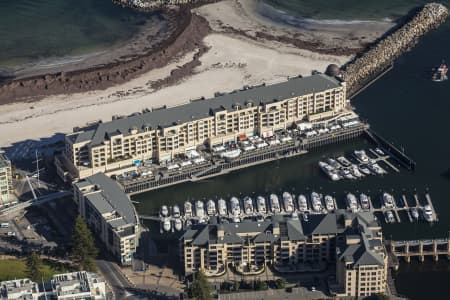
[377,58]
[154,5]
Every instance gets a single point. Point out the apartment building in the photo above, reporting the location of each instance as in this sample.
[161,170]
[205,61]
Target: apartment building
[7,196]
[19,289]
[109,213]
[352,241]
[163,133]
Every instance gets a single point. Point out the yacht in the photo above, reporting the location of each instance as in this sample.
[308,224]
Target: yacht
[330,171]
[355,171]
[361,156]
[261,205]
[316,204]
[222,207]
[352,204]
[294,216]
[248,205]
[164,211]
[414,213]
[365,169]
[199,209]
[389,217]
[305,217]
[302,204]
[379,152]
[329,203]
[374,167]
[274,204]
[188,209]
[364,201]
[166,224]
[333,163]
[388,200]
[178,224]
[210,208]
[346,174]
[343,161]
[235,207]
[428,213]
[288,202]
[176,211]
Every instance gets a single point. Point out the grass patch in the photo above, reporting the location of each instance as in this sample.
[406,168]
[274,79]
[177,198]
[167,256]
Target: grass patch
[16,269]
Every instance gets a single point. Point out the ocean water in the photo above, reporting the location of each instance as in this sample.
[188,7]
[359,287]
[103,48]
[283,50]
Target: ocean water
[36,30]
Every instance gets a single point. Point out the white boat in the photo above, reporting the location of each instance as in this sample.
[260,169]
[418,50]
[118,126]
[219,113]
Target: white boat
[316,204]
[333,163]
[288,202]
[343,161]
[305,217]
[361,156]
[187,209]
[329,203]
[211,208]
[294,216]
[389,217]
[364,201]
[274,204]
[166,224]
[388,200]
[427,213]
[352,203]
[379,152]
[222,207]
[199,209]
[231,154]
[261,205]
[330,171]
[178,224]
[235,207]
[164,211]
[365,169]
[176,211]
[302,204]
[375,168]
[414,213]
[346,174]
[355,171]
[248,205]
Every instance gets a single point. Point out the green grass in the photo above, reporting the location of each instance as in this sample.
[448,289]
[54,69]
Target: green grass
[15,268]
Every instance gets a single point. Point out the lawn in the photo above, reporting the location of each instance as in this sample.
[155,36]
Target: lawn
[16,269]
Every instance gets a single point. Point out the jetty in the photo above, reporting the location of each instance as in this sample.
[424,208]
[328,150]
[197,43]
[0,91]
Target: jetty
[408,249]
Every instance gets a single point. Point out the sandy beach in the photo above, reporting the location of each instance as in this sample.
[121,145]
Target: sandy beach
[224,61]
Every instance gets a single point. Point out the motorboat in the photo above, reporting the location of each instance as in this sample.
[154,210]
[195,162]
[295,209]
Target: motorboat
[178,224]
[361,156]
[316,204]
[355,171]
[414,213]
[389,217]
[365,169]
[166,224]
[235,207]
[294,216]
[176,211]
[199,209]
[222,207]
[164,211]
[288,202]
[379,152]
[248,205]
[302,204]
[188,209]
[305,217]
[330,171]
[388,200]
[345,173]
[344,161]
[364,201]
[333,163]
[274,204]
[427,213]
[261,205]
[374,167]
[352,203]
[329,203]
[211,208]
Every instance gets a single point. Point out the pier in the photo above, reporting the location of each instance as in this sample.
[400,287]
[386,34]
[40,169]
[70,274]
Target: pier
[419,248]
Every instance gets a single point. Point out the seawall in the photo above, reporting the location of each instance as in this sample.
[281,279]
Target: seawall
[378,57]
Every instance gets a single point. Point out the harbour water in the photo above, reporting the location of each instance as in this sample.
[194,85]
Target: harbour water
[406,108]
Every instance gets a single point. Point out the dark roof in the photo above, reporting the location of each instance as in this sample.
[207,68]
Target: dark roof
[320,224]
[204,108]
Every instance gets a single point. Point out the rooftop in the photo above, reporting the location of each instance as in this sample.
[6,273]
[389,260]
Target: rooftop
[4,161]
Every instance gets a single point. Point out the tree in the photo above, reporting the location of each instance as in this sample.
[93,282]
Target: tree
[84,251]
[33,267]
[201,288]
[280,283]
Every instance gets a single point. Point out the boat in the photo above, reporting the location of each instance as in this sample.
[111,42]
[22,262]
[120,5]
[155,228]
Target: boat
[414,213]
[178,224]
[355,171]
[210,208]
[427,213]
[343,161]
[329,171]
[365,169]
[329,203]
[261,205]
[361,156]
[374,167]
[440,74]
[248,205]
[302,204]
[232,154]
[199,209]
[164,211]
[274,204]
[294,216]
[305,217]
[222,207]
[379,152]
[388,200]
[345,173]
[288,202]
[166,224]
[176,211]
[316,204]
[364,201]
[333,163]
[187,209]
[389,217]
[352,204]
[235,207]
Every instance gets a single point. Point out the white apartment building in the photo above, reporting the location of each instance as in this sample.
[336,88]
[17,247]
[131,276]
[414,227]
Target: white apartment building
[7,196]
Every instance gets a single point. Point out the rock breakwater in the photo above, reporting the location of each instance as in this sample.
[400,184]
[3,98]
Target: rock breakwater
[379,57]
[153,5]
